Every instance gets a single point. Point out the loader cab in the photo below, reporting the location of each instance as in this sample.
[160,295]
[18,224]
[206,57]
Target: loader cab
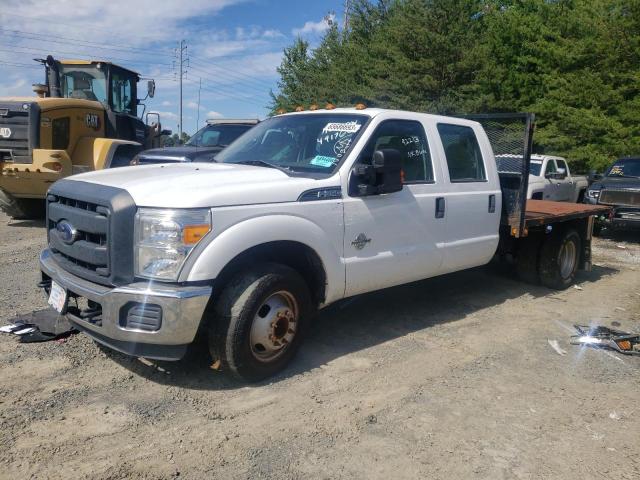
[113,86]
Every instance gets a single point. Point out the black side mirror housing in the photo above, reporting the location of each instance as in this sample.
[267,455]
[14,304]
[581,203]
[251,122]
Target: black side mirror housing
[593,176]
[384,175]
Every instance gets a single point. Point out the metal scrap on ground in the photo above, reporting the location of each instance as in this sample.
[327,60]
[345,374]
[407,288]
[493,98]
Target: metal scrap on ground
[605,337]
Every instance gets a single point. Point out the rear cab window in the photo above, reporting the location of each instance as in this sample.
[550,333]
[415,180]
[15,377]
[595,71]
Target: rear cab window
[462,152]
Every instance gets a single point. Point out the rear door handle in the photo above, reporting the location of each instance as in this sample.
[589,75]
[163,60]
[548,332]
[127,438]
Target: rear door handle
[492,204]
[440,207]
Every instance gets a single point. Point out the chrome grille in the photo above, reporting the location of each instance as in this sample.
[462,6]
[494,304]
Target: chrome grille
[630,198]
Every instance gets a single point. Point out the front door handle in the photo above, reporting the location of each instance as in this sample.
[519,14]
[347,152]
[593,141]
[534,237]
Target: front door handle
[492,203]
[440,207]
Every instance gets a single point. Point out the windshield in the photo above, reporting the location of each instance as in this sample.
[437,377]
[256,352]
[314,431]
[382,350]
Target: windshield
[628,167]
[85,82]
[534,168]
[308,142]
[217,136]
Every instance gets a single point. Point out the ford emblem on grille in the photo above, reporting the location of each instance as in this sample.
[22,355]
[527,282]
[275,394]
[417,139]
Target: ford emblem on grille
[5,132]
[67,233]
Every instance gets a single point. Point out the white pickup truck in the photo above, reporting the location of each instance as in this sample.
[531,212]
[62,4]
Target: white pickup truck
[301,211]
[551,179]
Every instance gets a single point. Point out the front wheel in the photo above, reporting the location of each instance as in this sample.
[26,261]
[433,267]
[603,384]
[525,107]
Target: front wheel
[259,321]
[559,259]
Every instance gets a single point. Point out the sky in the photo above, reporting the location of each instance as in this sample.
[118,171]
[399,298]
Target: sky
[233,47]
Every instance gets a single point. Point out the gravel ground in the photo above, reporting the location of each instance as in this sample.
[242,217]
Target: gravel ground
[453,377]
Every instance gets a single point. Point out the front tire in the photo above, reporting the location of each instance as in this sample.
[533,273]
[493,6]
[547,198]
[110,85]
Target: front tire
[259,321]
[559,259]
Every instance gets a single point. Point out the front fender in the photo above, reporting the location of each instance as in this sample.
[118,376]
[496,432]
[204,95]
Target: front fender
[96,153]
[214,256]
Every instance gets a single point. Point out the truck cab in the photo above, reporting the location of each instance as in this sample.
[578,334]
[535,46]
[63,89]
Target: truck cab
[303,210]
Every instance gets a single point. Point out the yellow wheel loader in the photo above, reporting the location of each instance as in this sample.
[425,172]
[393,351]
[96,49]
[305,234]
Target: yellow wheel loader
[83,118]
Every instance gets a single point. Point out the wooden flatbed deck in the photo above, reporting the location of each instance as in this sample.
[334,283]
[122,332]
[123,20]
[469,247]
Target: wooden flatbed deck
[542,212]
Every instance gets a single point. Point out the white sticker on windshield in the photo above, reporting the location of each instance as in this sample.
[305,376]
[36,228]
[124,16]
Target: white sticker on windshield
[349,127]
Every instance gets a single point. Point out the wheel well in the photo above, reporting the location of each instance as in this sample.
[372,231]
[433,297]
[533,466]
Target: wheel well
[536,196]
[298,256]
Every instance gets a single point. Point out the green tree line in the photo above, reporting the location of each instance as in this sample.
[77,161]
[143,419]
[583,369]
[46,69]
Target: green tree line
[574,63]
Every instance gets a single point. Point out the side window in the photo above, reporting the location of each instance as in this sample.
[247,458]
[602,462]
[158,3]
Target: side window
[562,164]
[409,139]
[551,167]
[463,154]
[121,93]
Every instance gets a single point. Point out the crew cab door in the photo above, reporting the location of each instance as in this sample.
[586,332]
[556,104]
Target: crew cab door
[473,196]
[395,238]
[552,189]
[565,187]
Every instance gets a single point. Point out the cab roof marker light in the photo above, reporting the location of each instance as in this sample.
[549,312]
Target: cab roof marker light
[360,106]
[299,108]
[313,107]
[329,106]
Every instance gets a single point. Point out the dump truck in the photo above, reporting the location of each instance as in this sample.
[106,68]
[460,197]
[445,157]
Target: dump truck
[84,117]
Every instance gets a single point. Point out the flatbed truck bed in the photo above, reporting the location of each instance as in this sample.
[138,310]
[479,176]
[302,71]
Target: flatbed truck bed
[543,212]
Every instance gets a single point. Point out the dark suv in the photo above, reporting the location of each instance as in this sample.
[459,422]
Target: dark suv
[620,188]
[202,147]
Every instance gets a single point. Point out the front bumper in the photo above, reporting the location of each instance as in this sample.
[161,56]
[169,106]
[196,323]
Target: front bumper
[181,307]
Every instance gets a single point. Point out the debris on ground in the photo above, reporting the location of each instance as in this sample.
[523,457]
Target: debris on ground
[605,337]
[39,326]
[554,344]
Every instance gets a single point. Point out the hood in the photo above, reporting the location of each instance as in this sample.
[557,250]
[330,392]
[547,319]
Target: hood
[183,153]
[188,185]
[617,183]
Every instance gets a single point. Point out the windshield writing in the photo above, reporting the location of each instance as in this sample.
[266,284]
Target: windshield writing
[625,168]
[310,142]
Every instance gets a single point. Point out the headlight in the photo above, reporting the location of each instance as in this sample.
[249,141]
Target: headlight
[164,238]
[593,193]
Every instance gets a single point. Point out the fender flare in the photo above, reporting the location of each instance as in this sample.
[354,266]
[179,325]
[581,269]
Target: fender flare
[207,261]
[93,153]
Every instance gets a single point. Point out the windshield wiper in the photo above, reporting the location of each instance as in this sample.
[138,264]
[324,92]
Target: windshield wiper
[262,163]
[622,176]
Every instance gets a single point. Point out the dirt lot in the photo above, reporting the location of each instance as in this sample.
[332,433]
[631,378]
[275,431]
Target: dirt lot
[452,377]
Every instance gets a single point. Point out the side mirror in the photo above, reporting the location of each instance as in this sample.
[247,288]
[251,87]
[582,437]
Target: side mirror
[166,132]
[552,176]
[384,175]
[562,173]
[151,88]
[594,175]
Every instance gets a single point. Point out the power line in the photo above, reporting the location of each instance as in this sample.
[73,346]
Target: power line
[38,51]
[241,83]
[234,74]
[74,41]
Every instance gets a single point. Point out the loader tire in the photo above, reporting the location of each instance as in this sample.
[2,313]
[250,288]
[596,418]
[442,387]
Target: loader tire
[21,208]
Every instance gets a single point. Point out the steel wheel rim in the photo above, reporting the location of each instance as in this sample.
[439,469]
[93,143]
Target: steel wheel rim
[274,326]
[567,259]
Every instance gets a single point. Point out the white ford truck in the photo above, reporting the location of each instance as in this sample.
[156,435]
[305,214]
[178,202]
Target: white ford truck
[301,211]
[551,179]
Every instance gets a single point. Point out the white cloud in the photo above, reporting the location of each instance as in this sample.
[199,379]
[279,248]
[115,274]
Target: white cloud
[213,114]
[316,28]
[194,105]
[166,103]
[164,116]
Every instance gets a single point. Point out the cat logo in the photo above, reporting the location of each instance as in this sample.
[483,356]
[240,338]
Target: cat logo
[5,132]
[92,121]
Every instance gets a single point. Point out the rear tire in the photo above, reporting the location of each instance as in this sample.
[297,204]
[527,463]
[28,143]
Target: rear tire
[259,321]
[559,258]
[21,208]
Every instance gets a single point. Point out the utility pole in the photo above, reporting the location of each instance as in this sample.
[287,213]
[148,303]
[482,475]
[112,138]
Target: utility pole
[198,114]
[183,62]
